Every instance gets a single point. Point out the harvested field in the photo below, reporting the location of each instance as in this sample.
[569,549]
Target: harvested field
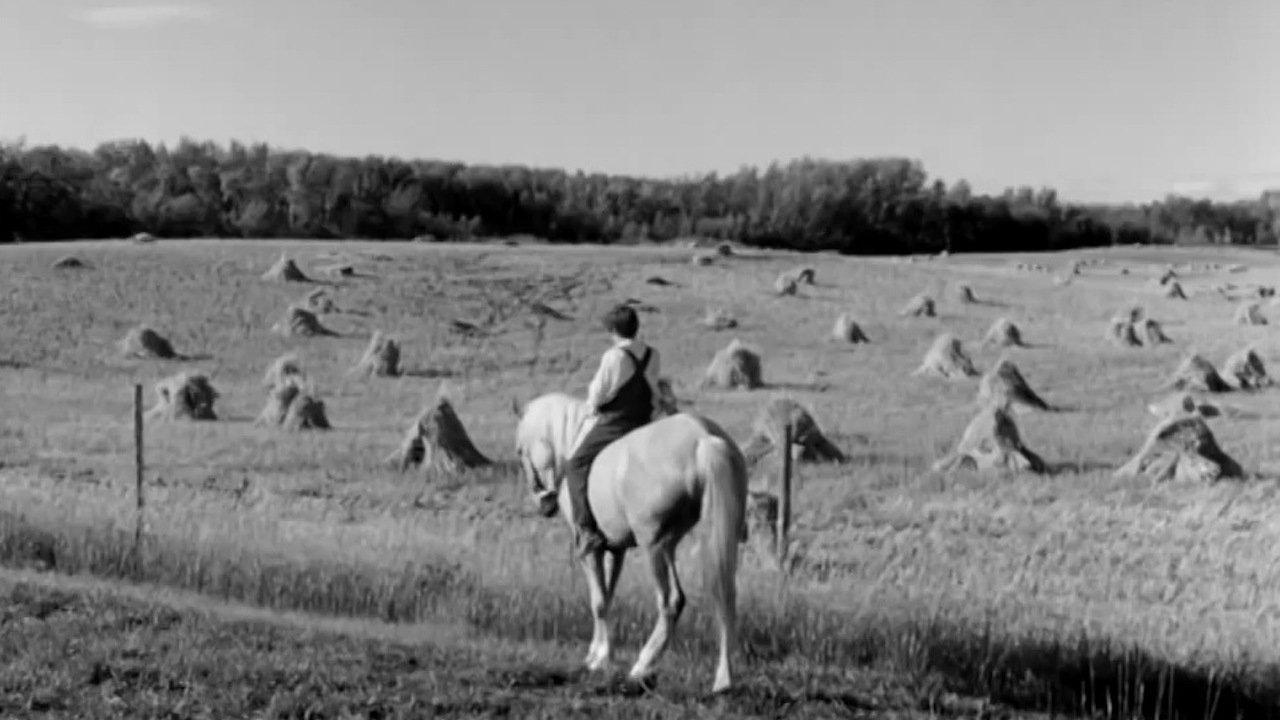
[907,589]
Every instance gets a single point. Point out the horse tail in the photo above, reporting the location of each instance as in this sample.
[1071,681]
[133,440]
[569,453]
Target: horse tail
[724,479]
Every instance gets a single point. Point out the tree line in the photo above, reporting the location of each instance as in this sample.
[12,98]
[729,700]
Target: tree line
[865,206]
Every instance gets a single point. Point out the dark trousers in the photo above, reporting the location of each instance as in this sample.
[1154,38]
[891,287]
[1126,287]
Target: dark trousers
[578,468]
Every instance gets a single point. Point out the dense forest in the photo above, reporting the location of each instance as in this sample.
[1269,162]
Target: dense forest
[868,206]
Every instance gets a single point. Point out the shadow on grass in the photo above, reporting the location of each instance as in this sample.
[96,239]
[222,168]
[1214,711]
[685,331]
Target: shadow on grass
[1071,675]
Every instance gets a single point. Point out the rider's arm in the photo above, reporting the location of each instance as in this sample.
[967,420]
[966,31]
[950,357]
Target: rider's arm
[607,380]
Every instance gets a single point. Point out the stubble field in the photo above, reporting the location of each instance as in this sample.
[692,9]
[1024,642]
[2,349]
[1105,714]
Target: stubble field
[908,591]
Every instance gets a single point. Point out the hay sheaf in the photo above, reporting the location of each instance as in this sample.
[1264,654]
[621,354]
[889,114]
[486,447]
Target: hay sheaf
[919,306]
[808,443]
[991,442]
[184,396]
[1005,385]
[437,439]
[1174,291]
[1122,332]
[1249,314]
[719,319]
[282,369]
[1246,369]
[301,322]
[1151,333]
[1196,373]
[735,366]
[293,405]
[69,262]
[319,301]
[144,342]
[284,270]
[946,358]
[1181,448]
[1003,333]
[785,284]
[963,294]
[847,330]
[381,357]
[702,259]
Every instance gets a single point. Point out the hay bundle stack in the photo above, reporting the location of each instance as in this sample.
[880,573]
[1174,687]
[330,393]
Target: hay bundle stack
[1181,448]
[144,342]
[1151,333]
[301,322]
[946,358]
[1166,277]
[702,259]
[762,516]
[1003,333]
[847,330]
[1005,386]
[735,366]
[991,442]
[1182,403]
[69,262]
[719,319]
[668,403]
[1173,291]
[283,369]
[293,405]
[1122,332]
[919,306]
[785,285]
[319,302]
[185,396]
[1266,291]
[1196,373]
[1249,314]
[284,270]
[1246,369]
[808,444]
[437,439]
[381,358]
[964,294]
[144,238]
[806,275]
[724,250]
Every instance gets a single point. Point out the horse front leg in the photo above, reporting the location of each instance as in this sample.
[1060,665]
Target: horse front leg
[601,593]
[670,597]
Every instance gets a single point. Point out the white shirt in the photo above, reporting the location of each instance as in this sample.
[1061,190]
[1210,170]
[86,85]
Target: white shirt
[616,369]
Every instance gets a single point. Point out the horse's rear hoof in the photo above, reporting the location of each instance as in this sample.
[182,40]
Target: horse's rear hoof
[645,683]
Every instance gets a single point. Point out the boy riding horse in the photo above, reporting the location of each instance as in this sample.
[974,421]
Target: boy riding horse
[622,397]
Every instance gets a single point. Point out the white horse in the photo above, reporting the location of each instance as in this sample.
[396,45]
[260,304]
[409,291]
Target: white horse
[647,489]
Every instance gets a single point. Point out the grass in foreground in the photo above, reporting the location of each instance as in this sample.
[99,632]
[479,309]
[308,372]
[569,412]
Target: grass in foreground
[85,649]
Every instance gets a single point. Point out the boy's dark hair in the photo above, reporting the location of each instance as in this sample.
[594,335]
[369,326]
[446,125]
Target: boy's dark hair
[622,321]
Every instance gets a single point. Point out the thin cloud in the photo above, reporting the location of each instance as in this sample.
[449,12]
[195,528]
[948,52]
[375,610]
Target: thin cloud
[131,17]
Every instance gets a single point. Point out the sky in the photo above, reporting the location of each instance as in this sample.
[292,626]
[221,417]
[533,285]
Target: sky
[1104,100]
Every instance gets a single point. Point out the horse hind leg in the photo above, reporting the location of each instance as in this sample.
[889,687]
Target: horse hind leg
[601,592]
[671,601]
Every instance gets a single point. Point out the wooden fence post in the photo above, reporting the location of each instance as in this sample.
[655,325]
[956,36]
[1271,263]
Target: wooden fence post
[140,468]
[784,497]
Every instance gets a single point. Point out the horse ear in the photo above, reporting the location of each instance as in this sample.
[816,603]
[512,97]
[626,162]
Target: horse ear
[515,407]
